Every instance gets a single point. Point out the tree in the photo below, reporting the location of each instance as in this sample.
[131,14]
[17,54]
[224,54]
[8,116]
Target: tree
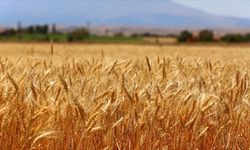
[206,36]
[43,29]
[78,35]
[8,32]
[118,34]
[185,36]
[107,32]
[30,29]
[247,37]
[234,38]
[19,26]
[54,28]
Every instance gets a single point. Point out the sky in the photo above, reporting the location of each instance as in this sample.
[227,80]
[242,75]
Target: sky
[40,10]
[236,8]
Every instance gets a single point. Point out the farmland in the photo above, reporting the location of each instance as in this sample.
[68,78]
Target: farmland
[116,96]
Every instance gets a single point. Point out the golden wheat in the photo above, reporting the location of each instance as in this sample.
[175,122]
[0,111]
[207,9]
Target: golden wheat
[110,102]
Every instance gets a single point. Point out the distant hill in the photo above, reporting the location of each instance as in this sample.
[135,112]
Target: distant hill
[116,13]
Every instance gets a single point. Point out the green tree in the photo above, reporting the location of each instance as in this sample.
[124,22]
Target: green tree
[247,37]
[206,36]
[118,34]
[30,29]
[234,38]
[42,29]
[78,35]
[54,28]
[185,36]
[8,32]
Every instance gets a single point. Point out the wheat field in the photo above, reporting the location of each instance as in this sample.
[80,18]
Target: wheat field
[75,96]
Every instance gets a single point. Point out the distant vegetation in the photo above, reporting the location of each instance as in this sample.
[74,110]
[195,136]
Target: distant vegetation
[236,38]
[43,33]
[203,36]
[46,33]
[208,36]
[185,36]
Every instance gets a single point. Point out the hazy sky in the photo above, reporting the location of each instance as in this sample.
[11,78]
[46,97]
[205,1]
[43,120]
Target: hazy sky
[103,11]
[238,8]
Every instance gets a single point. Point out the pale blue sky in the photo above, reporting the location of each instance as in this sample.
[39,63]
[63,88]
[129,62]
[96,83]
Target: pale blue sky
[122,11]
[238,8]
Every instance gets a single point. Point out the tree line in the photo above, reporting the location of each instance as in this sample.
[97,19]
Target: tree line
[208,36]
[44,33]
[49,33]
[38,29]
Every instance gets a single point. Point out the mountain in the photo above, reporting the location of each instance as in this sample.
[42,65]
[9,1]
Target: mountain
[114,12]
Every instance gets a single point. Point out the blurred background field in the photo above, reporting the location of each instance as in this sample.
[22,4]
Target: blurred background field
[124,51]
